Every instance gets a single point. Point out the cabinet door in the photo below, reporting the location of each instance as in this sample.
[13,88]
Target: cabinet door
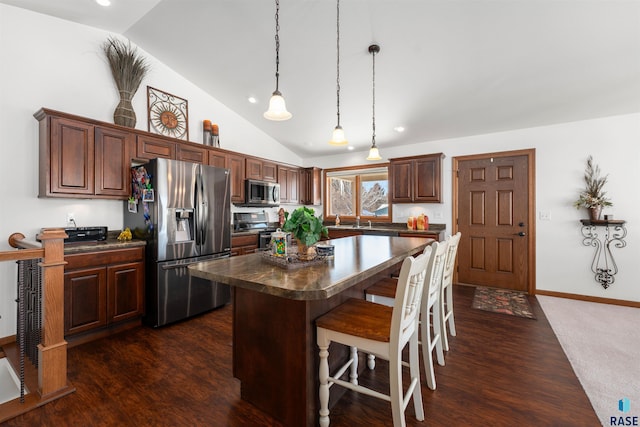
[151,148]
[113,150]
[125,291]
[292,182]
[427,183]
[269,172]
[217,159]
[288,180]
[71,158]
[254,169]
[400,175]
[336,234]
[311,186]
[85,293]
[236,164]
[191,154]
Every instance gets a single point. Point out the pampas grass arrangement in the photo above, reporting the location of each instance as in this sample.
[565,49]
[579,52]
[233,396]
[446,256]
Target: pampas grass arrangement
[128,68]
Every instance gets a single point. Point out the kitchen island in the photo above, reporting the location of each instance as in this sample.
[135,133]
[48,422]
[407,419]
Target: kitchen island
[275,355]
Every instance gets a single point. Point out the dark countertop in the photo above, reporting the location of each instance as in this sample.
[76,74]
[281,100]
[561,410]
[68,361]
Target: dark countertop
[356,258]
[389,228]
[105,245]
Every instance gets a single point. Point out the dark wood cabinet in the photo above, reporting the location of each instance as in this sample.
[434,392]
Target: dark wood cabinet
[261,170]
[416,179]
[85,158]
[82,160]
[192,154]
[337,234]
[113,151]
[150,147]
[311,186]
[288,178]
[102,290]
[244,244]
[236,164]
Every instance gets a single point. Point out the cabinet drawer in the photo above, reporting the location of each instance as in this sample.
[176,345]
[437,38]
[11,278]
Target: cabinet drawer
[92,259]
[247,240]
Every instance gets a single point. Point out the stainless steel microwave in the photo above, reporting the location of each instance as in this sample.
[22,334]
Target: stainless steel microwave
[261,193]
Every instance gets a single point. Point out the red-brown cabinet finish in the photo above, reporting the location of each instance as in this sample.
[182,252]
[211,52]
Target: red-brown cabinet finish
[113,150]
[150,147]
[288,178]
[236,164]
[261,170]
[416,179]
[67,153]
[191,154]
[102,291]
[311,186]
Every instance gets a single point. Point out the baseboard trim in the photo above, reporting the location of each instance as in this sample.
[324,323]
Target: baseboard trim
[588,298]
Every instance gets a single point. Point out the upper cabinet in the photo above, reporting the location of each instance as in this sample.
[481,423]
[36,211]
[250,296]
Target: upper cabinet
[288,178]
[416,179]
[85,158]
[261,170]
[311,186]
[82,160]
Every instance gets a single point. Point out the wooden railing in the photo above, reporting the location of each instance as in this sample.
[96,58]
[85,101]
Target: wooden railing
[52,350]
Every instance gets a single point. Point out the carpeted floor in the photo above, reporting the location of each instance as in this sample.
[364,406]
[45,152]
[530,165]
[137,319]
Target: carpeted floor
[503,301]
[602,342]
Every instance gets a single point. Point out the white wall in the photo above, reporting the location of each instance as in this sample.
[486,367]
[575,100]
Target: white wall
[48,62]
[563,263]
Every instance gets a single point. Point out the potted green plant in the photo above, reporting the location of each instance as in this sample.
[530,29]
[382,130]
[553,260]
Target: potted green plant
[593,197]
[305,227]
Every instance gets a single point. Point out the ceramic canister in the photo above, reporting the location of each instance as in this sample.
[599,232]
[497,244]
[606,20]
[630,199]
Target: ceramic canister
[279,243]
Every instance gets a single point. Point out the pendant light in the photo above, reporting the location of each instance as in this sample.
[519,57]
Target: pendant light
[277,109]
[374,154]
[338,137]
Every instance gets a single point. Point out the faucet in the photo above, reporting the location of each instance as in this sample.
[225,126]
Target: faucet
[357,222]
[369,223]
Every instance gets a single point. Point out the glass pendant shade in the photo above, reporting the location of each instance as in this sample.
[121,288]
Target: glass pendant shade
[277,108]
[374,154]
[338,137]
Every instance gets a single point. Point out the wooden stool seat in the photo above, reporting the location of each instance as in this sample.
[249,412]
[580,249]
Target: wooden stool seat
[359,318]
[384,288]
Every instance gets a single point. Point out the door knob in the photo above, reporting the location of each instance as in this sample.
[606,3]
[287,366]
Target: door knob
[521,234]
[521,224]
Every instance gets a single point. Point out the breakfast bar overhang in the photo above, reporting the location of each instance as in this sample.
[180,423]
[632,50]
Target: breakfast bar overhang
[275,356]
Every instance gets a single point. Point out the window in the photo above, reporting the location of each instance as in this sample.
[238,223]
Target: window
[362,192]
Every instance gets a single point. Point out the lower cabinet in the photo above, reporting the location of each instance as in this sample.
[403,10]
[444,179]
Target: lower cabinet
[337,234]
[244,244]
[102,291]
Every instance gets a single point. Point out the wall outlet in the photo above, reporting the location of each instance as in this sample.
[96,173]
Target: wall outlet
[71,219]
[438,215]
[544,215]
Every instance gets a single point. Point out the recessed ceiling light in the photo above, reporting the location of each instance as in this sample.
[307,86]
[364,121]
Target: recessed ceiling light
[104,2]
[252,100]
[350,148]
[399,129]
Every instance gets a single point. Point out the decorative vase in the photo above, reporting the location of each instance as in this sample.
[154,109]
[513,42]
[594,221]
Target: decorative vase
[303,251]
[124,114]
[594,213]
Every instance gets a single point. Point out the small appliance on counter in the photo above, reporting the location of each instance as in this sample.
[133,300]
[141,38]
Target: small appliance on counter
[85,234]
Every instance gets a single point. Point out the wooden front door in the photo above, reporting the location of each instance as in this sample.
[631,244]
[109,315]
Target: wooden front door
[494,207]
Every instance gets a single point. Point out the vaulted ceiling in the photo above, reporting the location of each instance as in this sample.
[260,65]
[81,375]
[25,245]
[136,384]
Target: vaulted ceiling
[445,69]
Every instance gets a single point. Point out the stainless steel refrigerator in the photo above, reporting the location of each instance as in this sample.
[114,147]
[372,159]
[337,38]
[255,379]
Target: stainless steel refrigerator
[183,210]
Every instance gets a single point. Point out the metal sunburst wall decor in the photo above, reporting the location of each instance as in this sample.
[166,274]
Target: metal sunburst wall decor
[168,114]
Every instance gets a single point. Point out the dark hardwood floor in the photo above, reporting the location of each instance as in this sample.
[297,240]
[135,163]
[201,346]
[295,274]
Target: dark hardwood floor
[501,371]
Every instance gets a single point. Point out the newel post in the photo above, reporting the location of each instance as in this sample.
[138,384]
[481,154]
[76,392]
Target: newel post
[52,352]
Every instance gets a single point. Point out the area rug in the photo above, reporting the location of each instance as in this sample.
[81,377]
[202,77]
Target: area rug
[503,301]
